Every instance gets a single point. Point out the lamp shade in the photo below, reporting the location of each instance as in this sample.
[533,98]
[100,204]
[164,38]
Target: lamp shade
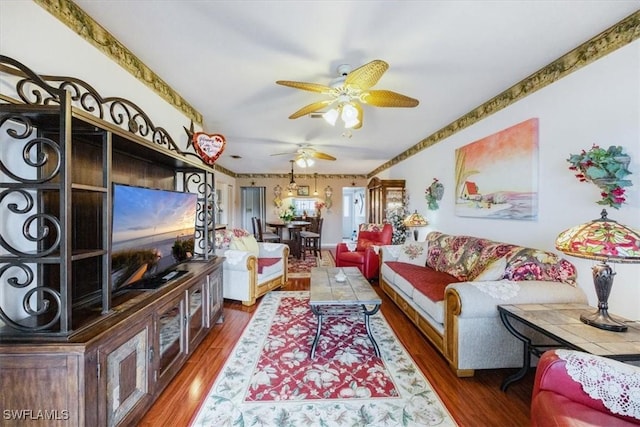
[415,220]
[601,239]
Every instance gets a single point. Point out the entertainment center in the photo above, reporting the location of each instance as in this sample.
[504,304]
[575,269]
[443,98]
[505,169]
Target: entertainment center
[108,274]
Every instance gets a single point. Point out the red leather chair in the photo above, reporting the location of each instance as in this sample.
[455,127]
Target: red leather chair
[364,256]
[558,400]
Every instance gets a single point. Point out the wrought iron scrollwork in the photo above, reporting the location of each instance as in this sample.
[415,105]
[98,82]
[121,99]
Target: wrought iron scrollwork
[34,154]
[201,183]
[51,306]
[47,90]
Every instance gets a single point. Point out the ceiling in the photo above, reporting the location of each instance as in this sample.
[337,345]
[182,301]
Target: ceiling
[224,57]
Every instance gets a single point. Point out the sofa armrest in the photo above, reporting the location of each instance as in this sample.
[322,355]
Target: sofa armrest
[562,372]
[341,247]
[480,299]
[239,260]
[389,253]
[273,250]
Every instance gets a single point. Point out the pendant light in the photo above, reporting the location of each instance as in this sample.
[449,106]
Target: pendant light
[292,183]
[315,179]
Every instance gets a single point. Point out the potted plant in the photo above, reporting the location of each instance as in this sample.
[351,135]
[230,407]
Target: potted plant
[605,168]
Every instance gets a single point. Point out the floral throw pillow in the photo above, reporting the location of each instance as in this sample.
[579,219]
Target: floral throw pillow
[413,253]
[532,264]
[224,237]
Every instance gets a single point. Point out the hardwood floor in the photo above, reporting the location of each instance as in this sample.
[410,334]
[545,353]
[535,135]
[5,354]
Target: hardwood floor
[475,401]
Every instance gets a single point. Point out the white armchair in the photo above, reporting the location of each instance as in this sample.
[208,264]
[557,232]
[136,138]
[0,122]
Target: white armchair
[251,268]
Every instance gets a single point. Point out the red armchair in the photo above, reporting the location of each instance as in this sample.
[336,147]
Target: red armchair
[559,400]
[364,256]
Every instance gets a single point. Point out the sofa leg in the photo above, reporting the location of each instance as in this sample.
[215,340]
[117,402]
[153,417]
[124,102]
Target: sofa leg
[464,373]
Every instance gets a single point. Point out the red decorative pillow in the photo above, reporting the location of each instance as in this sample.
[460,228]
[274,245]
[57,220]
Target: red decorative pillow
[363,244]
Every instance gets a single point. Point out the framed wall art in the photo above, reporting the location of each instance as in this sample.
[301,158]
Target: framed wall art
[497,176]
[303,190]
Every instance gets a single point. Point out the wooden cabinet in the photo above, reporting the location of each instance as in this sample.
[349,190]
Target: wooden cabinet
[112,378]
[125,387]
[384,195]
[70,345]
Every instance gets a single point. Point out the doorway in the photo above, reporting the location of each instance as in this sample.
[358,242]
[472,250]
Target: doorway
[353,210]
[252,203]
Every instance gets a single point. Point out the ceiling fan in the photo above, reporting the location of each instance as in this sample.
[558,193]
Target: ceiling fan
[349,91]
[305,156]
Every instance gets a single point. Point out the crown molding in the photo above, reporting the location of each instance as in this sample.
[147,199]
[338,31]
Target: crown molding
[296,176]
[86,27]
[617,36]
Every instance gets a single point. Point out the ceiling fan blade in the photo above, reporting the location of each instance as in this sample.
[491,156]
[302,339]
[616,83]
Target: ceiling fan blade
[320,155]
[367,75]
[387,98]
[311,87]
[282,154]
[311,108]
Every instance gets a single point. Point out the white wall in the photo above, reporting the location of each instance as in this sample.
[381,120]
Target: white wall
[598,104]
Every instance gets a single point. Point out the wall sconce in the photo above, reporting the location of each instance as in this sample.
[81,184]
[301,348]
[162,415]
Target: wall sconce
[328,192]
[277,191]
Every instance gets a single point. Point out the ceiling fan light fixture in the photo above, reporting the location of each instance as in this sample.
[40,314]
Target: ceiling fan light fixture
[305,162]
[331,116]
[349,116]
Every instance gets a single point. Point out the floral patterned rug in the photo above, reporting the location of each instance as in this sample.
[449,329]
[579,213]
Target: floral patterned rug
[299,268]
[270,380]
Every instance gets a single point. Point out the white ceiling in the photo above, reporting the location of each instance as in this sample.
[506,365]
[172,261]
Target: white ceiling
[224,57]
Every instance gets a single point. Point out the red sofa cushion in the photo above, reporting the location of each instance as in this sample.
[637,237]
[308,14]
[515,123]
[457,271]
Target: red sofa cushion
[266,262]
[426,280]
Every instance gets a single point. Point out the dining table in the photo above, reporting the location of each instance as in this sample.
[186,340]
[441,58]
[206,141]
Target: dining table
[292,238]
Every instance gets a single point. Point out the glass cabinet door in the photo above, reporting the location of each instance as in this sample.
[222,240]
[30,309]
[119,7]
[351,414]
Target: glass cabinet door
[170,335]
[195,300]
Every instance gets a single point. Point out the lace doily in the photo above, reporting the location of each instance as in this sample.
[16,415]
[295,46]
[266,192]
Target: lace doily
[394,250]
[271,247]
[499,289]
[234,257]
[615,384]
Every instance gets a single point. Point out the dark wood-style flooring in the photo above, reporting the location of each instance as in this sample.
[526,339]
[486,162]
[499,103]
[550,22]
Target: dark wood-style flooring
[475,401]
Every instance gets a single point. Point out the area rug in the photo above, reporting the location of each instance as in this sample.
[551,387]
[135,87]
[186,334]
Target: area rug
[299,268]
[270,380]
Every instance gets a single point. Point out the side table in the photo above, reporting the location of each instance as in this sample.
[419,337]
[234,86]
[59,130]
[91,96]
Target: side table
[562,324]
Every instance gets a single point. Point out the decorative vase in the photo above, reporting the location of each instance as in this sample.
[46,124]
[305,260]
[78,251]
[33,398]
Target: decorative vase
[318,213]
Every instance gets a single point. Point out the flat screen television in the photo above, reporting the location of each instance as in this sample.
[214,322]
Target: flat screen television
[152,232]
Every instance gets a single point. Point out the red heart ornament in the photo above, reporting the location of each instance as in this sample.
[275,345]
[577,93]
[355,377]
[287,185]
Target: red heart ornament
[209,147]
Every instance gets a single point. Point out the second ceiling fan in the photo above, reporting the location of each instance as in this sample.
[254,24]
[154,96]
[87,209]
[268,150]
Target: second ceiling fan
[348,92]
[306,155]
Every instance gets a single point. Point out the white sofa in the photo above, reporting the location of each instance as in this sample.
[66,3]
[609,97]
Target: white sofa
[450,287]
[251,268]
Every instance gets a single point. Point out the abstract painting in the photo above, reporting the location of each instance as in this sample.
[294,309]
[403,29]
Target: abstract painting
[497,176]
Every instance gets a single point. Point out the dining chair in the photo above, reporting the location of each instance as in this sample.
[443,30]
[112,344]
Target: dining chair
[260,234]
[311,238]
